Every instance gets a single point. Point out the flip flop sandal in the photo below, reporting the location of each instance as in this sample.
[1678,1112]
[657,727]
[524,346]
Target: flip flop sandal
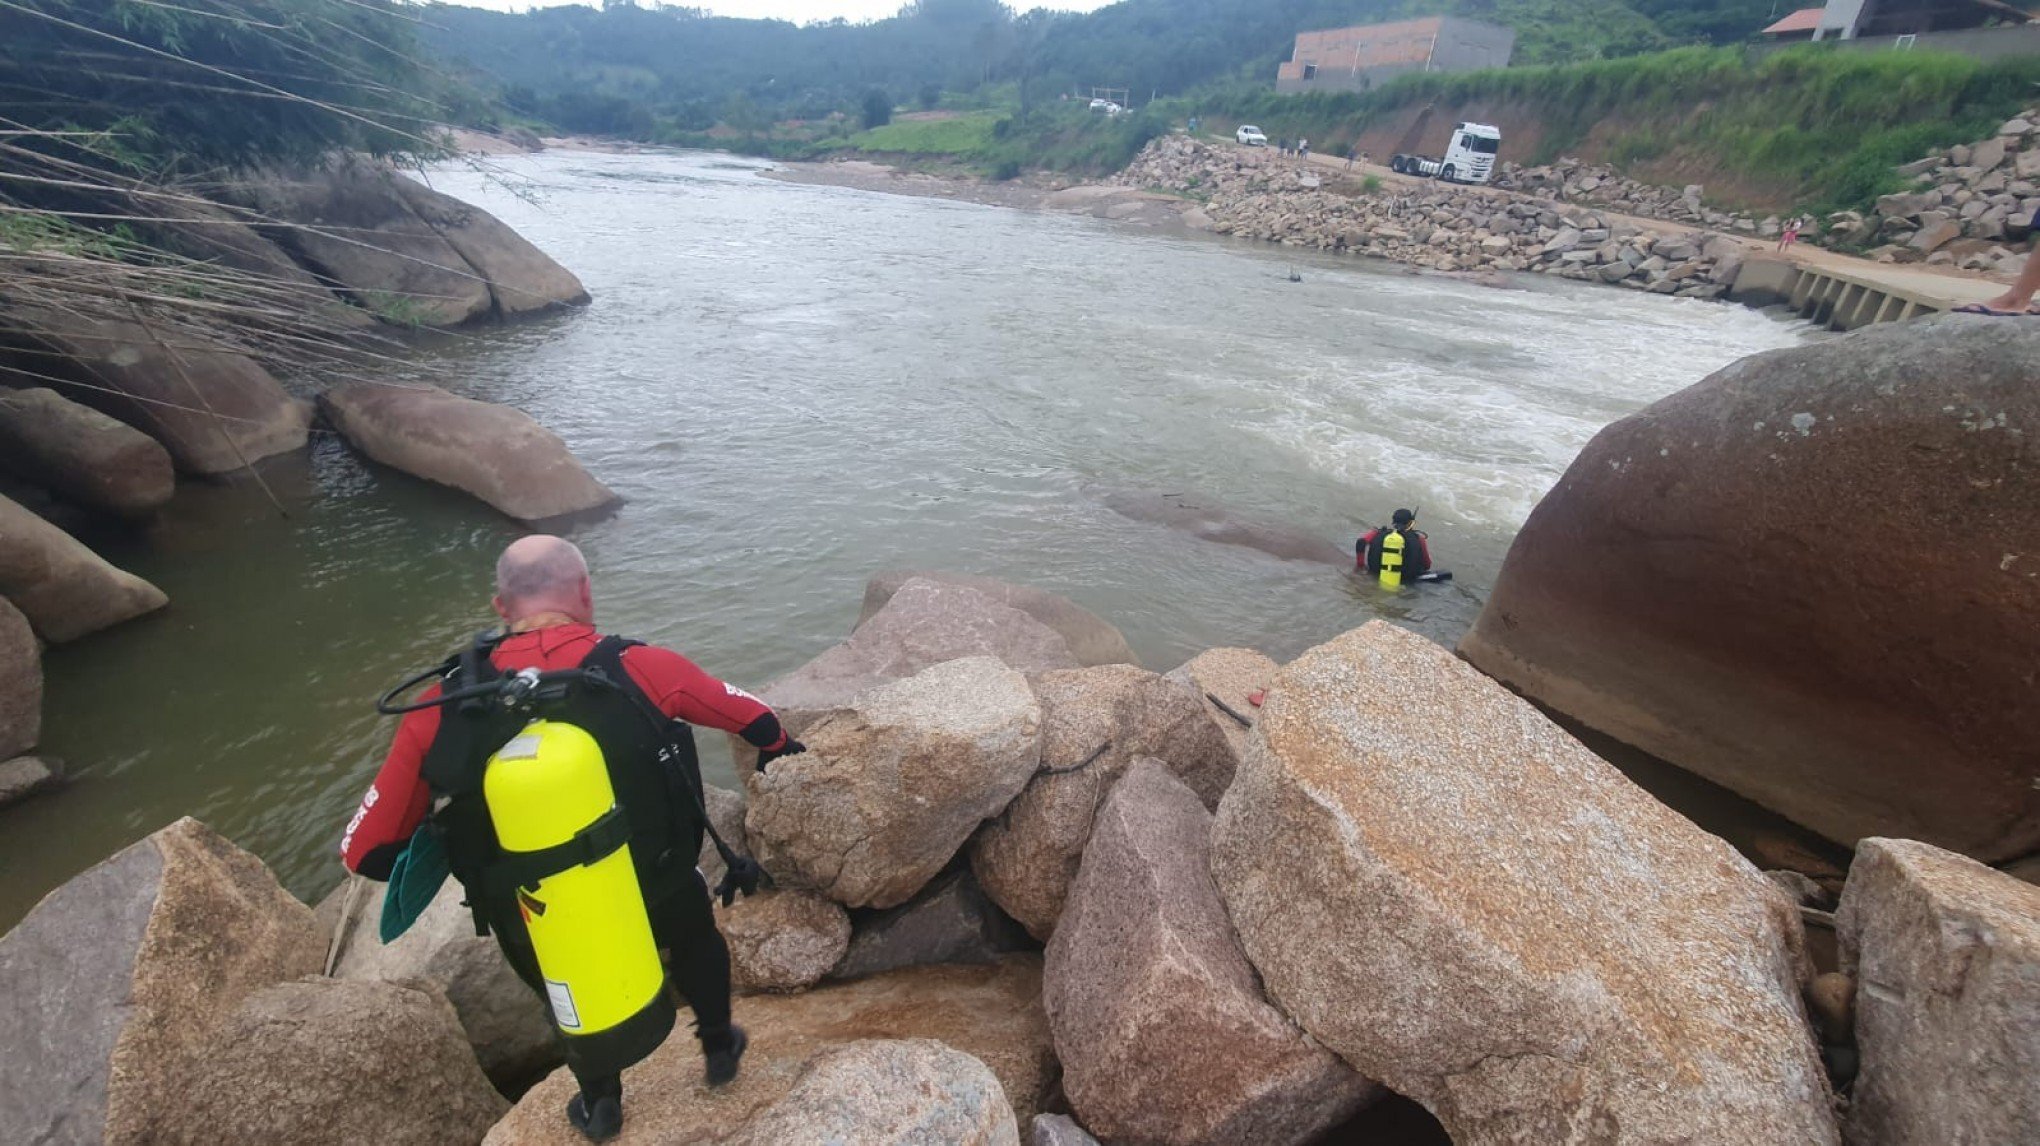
[1979,308]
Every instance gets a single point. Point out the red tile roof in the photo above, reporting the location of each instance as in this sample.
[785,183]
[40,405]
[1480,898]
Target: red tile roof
[1804,20]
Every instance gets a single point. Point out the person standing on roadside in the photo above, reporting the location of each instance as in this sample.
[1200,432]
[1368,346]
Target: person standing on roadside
[1790,234]
[546,601]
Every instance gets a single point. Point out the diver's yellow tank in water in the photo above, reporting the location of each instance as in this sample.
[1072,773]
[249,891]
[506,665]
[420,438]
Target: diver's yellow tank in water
[1392,560]
[587,922]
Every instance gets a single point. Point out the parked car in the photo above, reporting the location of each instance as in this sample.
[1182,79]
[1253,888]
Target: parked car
[1250,136]
[1106,106]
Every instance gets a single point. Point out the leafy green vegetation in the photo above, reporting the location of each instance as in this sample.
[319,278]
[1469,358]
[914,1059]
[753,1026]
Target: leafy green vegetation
[774,88]
[24,232]
[997,143]
[878,108]
[1809,127]
[639,72]
[210,83]
[971,136]
[116,110]
[394,309]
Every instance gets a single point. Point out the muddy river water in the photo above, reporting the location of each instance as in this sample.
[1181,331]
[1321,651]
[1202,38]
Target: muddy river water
[796,386]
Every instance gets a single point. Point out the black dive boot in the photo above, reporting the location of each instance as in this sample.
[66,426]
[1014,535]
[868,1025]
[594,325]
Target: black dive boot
[601,1122]
[720,1063]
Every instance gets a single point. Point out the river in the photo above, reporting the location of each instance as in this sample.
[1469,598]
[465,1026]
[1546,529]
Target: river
[796,386]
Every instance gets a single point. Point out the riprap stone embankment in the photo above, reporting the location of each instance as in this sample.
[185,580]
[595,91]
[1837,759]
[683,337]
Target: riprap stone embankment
[1255,195]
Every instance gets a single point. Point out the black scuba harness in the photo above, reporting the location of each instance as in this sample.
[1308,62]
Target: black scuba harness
[526,695]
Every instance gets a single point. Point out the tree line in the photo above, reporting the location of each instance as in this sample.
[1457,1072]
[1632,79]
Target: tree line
[631,69]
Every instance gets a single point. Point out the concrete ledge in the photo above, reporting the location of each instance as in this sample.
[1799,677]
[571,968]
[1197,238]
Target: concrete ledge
[1849,297]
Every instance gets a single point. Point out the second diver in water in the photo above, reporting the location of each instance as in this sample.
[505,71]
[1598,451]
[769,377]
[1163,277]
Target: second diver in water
[1396,552]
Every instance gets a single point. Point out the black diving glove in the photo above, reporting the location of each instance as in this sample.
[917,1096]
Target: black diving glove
[792,747]
[743,875]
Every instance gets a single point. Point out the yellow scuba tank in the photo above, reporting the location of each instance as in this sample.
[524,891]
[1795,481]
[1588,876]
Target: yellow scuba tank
[1392,559]
[555,816]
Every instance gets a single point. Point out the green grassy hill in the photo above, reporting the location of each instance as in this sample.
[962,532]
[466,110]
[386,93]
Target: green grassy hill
[625,70]
[1812,127]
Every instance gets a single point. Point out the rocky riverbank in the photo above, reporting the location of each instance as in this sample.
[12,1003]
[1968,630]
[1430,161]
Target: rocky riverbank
[1253,194]
[106,404]
[1186,184]
[1029,891]
[1023,883]
[1973,206]
[1591,185]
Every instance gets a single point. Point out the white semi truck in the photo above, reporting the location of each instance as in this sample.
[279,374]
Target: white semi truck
[1469,156]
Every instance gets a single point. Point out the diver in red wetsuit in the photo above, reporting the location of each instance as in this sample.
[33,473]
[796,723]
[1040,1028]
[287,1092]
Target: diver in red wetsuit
[1416,547]
[545,598]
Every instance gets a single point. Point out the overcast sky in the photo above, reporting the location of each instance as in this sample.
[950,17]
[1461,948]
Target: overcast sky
[798,11]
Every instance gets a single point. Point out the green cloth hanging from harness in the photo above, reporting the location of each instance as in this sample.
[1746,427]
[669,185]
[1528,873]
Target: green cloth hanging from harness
[414,880]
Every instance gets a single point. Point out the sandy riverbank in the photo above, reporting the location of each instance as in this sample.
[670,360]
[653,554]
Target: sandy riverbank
[1037,192]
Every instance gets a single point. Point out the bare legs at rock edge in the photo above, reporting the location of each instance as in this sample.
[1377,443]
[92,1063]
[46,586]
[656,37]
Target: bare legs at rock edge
[2021,295]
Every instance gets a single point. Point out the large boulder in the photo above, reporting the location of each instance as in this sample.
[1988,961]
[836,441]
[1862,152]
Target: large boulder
[1234,676]
[21,683]
[85,455]
[215,411]
[226,237]
[348,222]
[116,988]
[405,252]
[1745,580]
[1946,955]
[322,1060]
[24,776]
[923,624]
[498,454]
[1094,723]
[1160,1024]
[506,1023]
[891,787]
[1092,639]
[1445,888]
[782,940]
[64,589]
[992,1014]
[521,278]
[887,1092]
[950,921]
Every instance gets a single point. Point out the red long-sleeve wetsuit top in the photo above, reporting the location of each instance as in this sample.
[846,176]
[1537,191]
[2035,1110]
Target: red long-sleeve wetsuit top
[399,799]
[1417,560]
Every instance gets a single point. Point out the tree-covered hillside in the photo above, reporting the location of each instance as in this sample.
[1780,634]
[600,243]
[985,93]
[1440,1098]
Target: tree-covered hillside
[622,69]
[205,83]
[116,116]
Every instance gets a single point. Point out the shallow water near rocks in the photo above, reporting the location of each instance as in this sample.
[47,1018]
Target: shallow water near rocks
[797,386]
